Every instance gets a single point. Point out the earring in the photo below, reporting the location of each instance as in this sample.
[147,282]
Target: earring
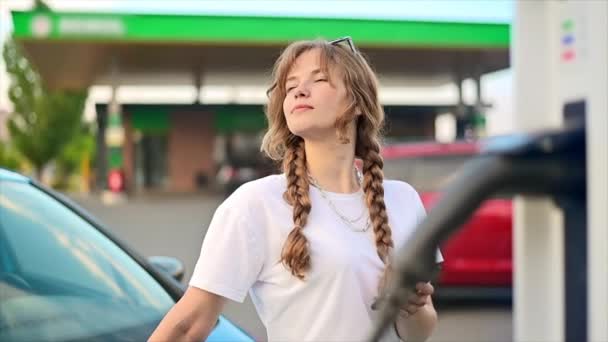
[359,175]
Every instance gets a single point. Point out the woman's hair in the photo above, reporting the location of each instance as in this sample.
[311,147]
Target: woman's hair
[280,144]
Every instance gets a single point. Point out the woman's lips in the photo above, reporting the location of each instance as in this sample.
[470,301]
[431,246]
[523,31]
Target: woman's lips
[301,108]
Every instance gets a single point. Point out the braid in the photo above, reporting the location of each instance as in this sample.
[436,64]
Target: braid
[374,197]
[295,254]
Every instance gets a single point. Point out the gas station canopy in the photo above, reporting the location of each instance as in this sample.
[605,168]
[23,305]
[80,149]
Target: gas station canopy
[75,50]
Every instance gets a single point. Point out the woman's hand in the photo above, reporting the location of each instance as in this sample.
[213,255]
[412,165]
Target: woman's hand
[417,317]
[417,299]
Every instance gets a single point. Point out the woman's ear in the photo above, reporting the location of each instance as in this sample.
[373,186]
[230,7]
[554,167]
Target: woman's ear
[358,111]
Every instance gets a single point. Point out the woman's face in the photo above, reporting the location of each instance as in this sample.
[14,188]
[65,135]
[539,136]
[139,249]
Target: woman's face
[312,103]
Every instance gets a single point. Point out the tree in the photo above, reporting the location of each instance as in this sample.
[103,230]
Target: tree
[40,5]
[44,121]
[78,150]
[8,157]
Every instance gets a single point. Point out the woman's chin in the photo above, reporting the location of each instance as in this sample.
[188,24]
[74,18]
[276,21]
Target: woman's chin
[303,131]
[312,131]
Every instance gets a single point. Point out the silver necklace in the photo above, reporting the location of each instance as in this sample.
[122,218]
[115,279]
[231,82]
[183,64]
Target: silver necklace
[349,222]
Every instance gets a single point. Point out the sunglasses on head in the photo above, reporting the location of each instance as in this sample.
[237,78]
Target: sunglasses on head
[345,41]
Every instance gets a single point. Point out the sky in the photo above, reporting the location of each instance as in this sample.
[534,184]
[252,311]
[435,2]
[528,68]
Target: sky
[450,10]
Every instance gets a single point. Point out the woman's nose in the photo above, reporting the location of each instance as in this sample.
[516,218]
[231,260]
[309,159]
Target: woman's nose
[302,91]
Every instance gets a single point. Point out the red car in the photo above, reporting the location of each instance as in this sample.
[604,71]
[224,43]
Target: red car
[478,258]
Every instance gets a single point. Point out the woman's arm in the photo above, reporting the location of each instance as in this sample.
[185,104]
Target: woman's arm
[418,327]
[191,319]
[417,321]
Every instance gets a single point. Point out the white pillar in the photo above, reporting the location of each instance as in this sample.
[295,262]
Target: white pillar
[560,56]
[597,168]
[538,229]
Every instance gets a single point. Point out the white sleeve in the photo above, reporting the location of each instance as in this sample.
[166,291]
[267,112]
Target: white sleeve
[421,215]
[232,253]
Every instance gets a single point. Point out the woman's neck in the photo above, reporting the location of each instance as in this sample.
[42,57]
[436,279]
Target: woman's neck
[332,165]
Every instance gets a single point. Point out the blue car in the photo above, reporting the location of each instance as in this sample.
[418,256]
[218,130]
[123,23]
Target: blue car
[63,277]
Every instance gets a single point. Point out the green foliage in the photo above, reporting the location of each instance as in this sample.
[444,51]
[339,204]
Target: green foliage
[44,121]
[8,157]
[78,150]
[40,5]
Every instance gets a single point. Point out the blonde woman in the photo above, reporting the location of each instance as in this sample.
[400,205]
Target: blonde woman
[312,245]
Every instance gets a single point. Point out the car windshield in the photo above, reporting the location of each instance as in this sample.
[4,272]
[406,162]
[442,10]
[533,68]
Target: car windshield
[425,174]
[61,279]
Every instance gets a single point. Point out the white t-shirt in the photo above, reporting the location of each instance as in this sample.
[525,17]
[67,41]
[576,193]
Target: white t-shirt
[242,248]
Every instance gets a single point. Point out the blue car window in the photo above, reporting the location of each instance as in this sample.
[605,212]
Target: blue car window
[61,279]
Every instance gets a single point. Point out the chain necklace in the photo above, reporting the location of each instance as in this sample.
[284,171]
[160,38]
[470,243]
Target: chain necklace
[349,222]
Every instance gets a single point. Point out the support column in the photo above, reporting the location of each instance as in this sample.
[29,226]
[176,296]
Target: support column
[198,83]
[115,136]
[462,121]
[114,141]
[101,160]
[479,119]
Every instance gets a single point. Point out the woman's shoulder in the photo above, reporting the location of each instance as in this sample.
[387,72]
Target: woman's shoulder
[398,185]
[399,189]
[249,200]
[259,189]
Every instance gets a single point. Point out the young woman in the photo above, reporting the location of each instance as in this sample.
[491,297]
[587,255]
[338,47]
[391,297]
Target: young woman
[312,246]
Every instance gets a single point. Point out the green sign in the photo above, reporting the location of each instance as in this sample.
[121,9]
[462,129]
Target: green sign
[115,158]
[150,120]
[259,30]
[230,119]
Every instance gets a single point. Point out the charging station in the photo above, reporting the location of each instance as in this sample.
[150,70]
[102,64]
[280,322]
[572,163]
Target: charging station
[559,57]
[557,167]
